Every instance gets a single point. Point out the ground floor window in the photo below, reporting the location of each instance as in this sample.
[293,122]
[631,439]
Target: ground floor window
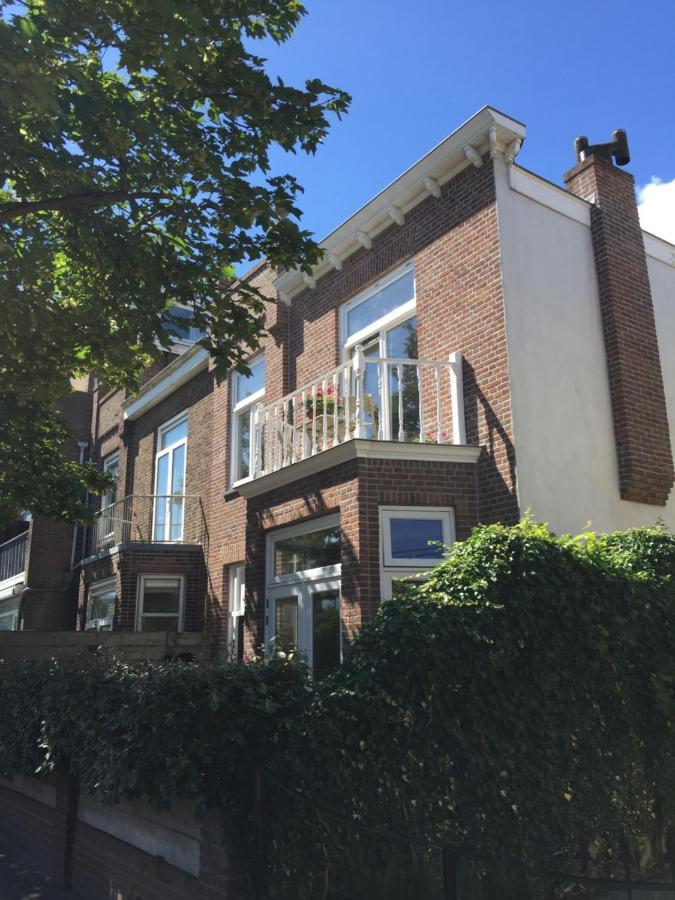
[160,602]
[412,541]
[303,593]
[236,594]
[9,615]
[101,606]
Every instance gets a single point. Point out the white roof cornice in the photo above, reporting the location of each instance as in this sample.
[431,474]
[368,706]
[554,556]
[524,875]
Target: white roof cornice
[170,378]
[488,130]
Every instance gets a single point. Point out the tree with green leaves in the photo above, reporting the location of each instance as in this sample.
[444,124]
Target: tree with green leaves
[135,140]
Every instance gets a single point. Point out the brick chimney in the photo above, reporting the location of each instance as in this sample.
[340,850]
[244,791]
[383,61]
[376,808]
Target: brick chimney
[634,366]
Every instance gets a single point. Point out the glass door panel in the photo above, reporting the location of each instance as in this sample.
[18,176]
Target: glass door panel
[161,489]
[325,632]
[286,624]
[403,391]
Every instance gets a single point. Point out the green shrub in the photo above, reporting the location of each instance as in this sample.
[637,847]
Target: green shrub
[518,706]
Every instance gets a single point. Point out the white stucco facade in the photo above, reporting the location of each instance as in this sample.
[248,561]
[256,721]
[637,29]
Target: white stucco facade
[562,420]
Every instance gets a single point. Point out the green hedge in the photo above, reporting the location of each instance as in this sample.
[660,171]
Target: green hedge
[518,706]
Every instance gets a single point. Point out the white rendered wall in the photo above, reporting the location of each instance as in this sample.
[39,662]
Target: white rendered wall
[565,451]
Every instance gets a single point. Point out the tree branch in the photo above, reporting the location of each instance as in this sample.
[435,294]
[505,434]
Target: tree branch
[9,211]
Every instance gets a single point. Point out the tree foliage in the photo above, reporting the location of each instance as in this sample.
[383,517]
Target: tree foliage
[518,708]
[134,175]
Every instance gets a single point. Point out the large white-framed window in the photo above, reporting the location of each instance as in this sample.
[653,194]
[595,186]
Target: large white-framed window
[382,321]
[169,507]
[111,465]
[161,600]
[412,541]
[247,391]
[101,604]
[236,595]
[302,605]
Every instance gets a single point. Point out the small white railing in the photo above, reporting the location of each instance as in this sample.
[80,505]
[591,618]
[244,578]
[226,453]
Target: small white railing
[150,518]
[13,556]
[383,399]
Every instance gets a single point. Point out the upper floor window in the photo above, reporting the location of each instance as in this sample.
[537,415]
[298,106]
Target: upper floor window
[111,464]
[179,324]
[390,300]
[170,479]
[382,321]
[247,391]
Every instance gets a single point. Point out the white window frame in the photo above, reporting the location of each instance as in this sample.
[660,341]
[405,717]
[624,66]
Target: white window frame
[180,345]
[237,604]
[306,527]
[113,459]
[140,597]
[384,323]
[239,407]
[300,585]
[390,568]
[99,588]
[169,451]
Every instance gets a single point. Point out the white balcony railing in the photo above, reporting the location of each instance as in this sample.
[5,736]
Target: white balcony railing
[405,400]
[13,556]
[150,518]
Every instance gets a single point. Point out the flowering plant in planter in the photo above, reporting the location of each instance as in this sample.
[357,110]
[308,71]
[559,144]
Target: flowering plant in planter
[323,402]
[435,437]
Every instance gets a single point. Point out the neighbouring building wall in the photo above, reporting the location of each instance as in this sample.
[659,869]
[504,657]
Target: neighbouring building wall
[567,468]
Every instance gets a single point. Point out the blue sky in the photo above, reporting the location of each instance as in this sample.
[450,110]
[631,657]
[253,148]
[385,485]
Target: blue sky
[416,70]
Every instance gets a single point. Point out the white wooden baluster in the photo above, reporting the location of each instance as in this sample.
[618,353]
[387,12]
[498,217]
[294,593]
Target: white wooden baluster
[313,451]
[399,380]
[336,399]
[303,430]
[257,433]
[437,380]
[384,423]
[457,399]
[293,430]
[420,404]
[324,417]
[274,438]
[347,390]
[359,371]
[284,426]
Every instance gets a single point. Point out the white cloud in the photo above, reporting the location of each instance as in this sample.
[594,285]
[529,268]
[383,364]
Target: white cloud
[656,205]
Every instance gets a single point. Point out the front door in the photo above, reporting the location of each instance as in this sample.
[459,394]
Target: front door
[304,617]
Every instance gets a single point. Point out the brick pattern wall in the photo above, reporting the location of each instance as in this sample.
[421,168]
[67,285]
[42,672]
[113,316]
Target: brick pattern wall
[28,826]
[50,602]
[633,362]
[453,242]
[133,560]
[354,489]
[99,866]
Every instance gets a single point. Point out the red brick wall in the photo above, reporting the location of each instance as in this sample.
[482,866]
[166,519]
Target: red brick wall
[99,866]
[130,562]
[354,489]
[633,362]
[29,826]
[50,602]
[454,244]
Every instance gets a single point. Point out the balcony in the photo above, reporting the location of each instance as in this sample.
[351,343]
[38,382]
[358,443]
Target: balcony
[13,557]
[404,401]
[150,519]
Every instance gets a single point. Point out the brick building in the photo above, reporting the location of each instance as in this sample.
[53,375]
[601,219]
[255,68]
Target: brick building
[475,343]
